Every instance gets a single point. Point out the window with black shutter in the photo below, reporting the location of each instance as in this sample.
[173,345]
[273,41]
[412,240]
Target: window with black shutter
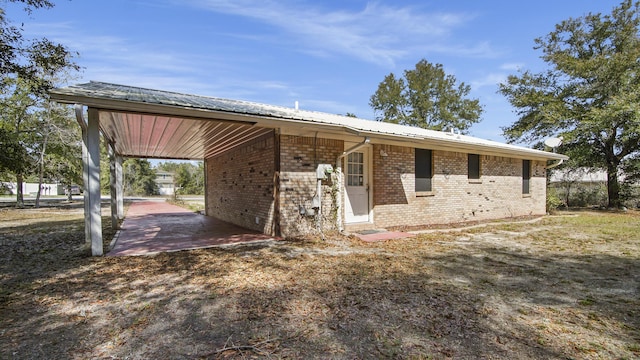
[424,172]
[474,167]
[526,176]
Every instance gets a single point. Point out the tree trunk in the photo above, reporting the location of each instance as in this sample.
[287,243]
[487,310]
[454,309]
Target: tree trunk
[19,195]
[568,194]
[41,169]
[613,186]
[37,205]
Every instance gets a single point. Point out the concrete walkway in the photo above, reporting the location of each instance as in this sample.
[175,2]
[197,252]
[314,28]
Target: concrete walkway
[382,235]
[157,226]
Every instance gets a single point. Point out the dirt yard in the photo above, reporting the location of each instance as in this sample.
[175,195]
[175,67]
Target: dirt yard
[563,287]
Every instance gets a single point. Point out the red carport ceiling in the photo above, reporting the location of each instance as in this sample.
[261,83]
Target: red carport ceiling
[169,137]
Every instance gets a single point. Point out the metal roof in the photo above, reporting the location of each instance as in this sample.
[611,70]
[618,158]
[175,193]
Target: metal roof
[162,124]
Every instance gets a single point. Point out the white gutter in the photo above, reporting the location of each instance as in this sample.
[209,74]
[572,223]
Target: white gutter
[560,161]
[339,217]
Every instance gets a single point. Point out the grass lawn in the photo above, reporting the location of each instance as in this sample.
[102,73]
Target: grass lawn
[564,287]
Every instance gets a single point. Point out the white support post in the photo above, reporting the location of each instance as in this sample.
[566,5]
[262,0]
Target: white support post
[85,186]
[93,190]
[119,189]
[113,186]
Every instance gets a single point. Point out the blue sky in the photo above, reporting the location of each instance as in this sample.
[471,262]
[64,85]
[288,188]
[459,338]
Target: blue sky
[329,56]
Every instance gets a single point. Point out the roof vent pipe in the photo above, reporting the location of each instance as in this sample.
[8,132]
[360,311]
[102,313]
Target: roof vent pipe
[296,105]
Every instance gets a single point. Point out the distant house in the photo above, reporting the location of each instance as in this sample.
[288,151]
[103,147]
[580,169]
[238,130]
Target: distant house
[10,188]
[580,175]
[164,180]
[286,171]
[581,186]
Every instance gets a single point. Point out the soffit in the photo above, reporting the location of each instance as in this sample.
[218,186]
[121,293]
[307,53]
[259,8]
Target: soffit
[173,137]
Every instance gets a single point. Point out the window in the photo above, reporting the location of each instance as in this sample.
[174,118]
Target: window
[526,176]
[474,167]
[424,172]
[355,169]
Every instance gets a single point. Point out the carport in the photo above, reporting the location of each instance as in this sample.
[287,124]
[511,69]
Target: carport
[143,123]
[154,226]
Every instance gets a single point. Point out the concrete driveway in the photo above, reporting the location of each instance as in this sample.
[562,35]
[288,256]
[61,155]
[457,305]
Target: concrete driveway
[153,226]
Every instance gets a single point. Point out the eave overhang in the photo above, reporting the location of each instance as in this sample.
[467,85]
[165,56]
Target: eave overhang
[158,124]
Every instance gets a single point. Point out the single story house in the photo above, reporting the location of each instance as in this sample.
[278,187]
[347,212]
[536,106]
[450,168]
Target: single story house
[286,171]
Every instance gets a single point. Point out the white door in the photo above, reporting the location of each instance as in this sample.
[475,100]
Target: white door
[357,188]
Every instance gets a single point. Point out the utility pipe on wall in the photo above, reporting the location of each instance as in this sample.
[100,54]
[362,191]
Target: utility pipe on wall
[339,218]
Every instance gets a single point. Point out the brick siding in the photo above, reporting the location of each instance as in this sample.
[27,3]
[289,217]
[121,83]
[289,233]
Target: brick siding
[299,158]
[454,198]
[240,185]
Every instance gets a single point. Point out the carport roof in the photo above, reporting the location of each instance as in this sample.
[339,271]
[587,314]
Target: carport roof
[162,124]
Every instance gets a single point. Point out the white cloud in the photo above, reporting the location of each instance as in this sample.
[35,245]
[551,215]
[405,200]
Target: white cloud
[379,33]
[491,79]
[512,66]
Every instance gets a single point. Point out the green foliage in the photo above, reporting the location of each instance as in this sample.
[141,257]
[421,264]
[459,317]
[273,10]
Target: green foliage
[40,140]
[426,97]
[139,178]
[13,155]
[29,124]
[18,126]
[34,60]
[553,200]
[590,95]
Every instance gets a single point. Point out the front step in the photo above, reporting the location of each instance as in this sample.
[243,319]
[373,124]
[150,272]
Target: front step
[355,227]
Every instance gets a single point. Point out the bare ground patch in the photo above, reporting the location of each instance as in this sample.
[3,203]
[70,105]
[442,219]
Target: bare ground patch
[562,287]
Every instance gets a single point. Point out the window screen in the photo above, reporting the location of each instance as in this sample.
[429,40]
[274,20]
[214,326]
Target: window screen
[526,176]
[424,168]
[474,166]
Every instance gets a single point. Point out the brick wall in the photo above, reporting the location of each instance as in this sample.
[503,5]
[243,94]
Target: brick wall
[299,157]
[454,198]
[240,185]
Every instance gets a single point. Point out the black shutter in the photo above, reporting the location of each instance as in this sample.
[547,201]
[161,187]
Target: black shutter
[474,166]
[423,170]
[526,176]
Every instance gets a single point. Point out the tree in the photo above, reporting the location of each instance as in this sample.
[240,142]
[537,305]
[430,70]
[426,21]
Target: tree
[426,97]
[29,68]
[590,95]
[18,126]
[60,147]
[31,59]
[139,177]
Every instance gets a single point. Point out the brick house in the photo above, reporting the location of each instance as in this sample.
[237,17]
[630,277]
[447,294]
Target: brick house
[286,171]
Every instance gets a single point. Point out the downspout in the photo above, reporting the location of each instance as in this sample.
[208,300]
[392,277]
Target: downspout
[560,161]
[339,218]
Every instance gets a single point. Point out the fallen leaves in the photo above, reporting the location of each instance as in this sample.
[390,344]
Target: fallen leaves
[501,291]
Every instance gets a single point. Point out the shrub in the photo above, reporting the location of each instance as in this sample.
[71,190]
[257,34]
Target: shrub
[553,200]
